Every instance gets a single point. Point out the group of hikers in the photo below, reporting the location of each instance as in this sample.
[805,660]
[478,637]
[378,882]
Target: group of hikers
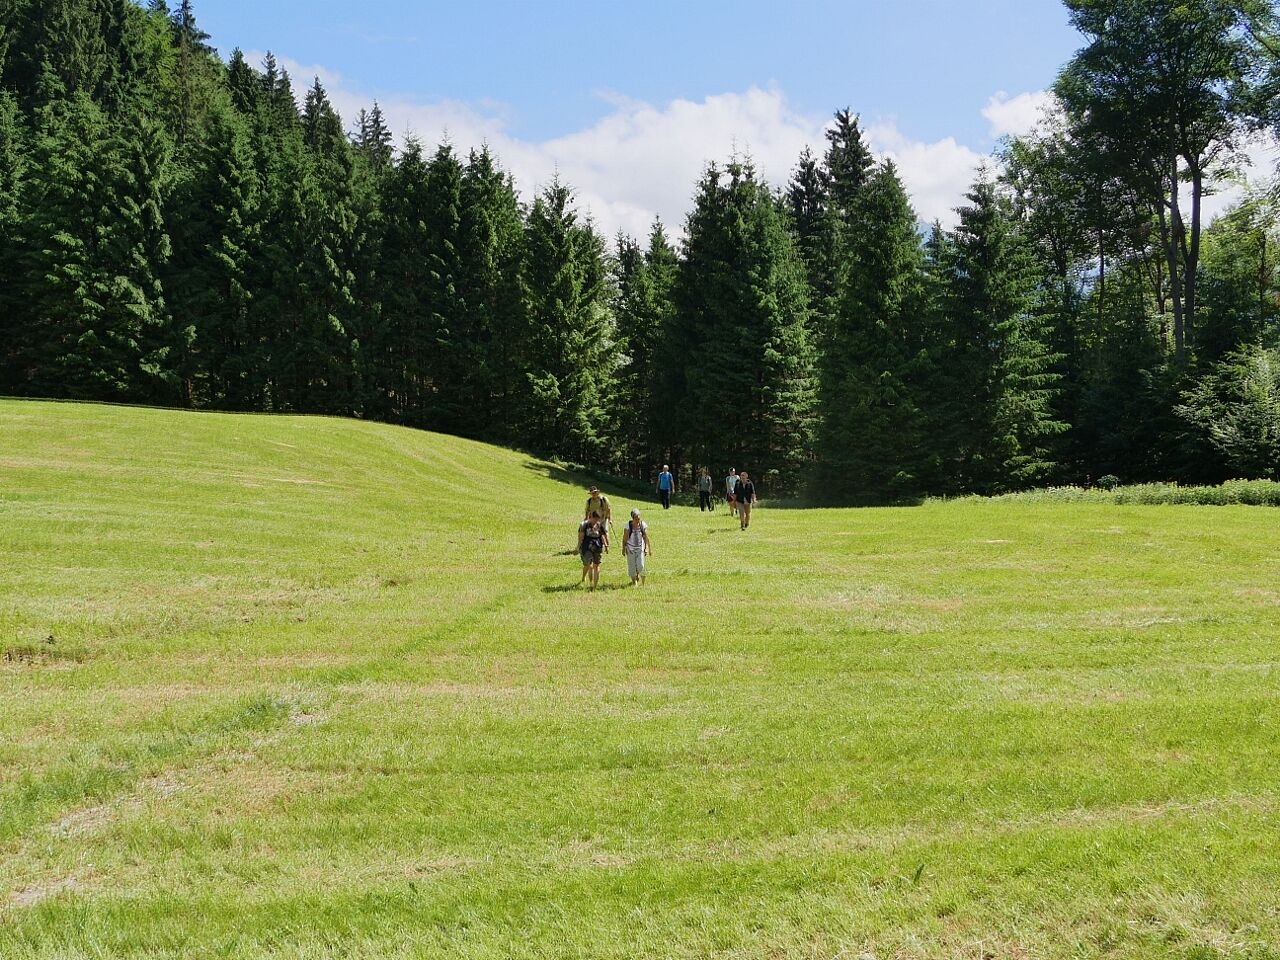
[597,521]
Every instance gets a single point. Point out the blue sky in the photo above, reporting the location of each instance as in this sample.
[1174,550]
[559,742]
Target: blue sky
[581,89]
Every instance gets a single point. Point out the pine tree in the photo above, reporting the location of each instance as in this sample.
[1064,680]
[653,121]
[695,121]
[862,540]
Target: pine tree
[12,170]
[195,77]
[1000,419]
[454,350]
[846,168]
[570,350]
[812,221]
[742,328]
[214,214]
[874,374]
[315,361]
[401,354]
[642,285]
[94,324]
[244,84]
[490,287]
[373,139]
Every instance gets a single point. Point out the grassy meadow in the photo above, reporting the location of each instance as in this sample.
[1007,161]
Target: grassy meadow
[302,687]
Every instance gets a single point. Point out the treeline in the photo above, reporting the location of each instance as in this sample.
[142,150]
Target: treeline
[179,230]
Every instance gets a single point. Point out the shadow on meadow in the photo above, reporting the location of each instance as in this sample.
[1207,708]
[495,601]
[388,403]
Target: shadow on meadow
[582,587]
[583,478]
[633,489]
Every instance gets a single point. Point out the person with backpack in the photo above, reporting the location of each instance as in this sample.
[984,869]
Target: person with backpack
[730,490]
[704,491]
[636,546]
[666,486]
[746,494]
[593,542]
[597,502]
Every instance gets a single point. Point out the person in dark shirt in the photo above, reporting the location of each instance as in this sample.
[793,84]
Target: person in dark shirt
[746,496]
[704,491]
[593,541]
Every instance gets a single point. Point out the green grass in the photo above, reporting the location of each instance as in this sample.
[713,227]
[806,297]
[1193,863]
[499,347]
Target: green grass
[1251,493]
[301,687]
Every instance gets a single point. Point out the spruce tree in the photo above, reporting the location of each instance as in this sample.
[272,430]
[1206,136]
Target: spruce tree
[812,221]
[402,351]
[742,329]
[1000,421]
[244,84]
[12,169]
[570,349]
[490,288]
[93,323]
[213,219]
[846,168]
[316,361]
[642,286]
[454,348]
[373,139]
[874,373]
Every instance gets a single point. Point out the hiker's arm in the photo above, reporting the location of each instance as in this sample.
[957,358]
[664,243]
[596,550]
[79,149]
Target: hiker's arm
[648,544]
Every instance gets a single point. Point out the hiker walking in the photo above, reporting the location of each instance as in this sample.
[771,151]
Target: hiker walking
[636,546]
[593,541]
[666,486]
[746,493]
[731,490]
[704,491]
[597,502]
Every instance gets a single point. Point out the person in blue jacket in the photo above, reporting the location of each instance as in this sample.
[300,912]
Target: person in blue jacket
[666,486]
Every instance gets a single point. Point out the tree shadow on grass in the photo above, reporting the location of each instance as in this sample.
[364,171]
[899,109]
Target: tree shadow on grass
[583,478]
[579,587]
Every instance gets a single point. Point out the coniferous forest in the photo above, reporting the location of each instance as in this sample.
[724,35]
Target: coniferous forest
[184,230]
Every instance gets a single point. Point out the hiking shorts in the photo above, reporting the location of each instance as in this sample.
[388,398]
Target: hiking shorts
[591,555]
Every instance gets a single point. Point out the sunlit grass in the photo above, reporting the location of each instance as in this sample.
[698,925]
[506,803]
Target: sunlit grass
[300,687]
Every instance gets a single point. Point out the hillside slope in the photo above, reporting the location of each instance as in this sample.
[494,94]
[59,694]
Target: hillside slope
[305,687]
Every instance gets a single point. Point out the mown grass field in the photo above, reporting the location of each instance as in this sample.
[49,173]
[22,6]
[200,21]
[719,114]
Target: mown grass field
[294,687]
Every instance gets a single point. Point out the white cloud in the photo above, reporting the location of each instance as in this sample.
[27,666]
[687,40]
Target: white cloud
[936,174]
[640,159]
[1016,116]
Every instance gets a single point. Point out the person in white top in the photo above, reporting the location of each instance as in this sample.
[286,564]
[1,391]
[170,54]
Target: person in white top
[636,546]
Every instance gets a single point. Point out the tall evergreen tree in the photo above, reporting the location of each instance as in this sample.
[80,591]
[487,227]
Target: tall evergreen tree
[490,287]
[642,285]
[570,349]
[213,219]
[872,439]
[373,139]
[814,225]
[1002,382]
[455,350]
[742,328]
[401,353]
[315,360]
[94,324]
[12,170]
